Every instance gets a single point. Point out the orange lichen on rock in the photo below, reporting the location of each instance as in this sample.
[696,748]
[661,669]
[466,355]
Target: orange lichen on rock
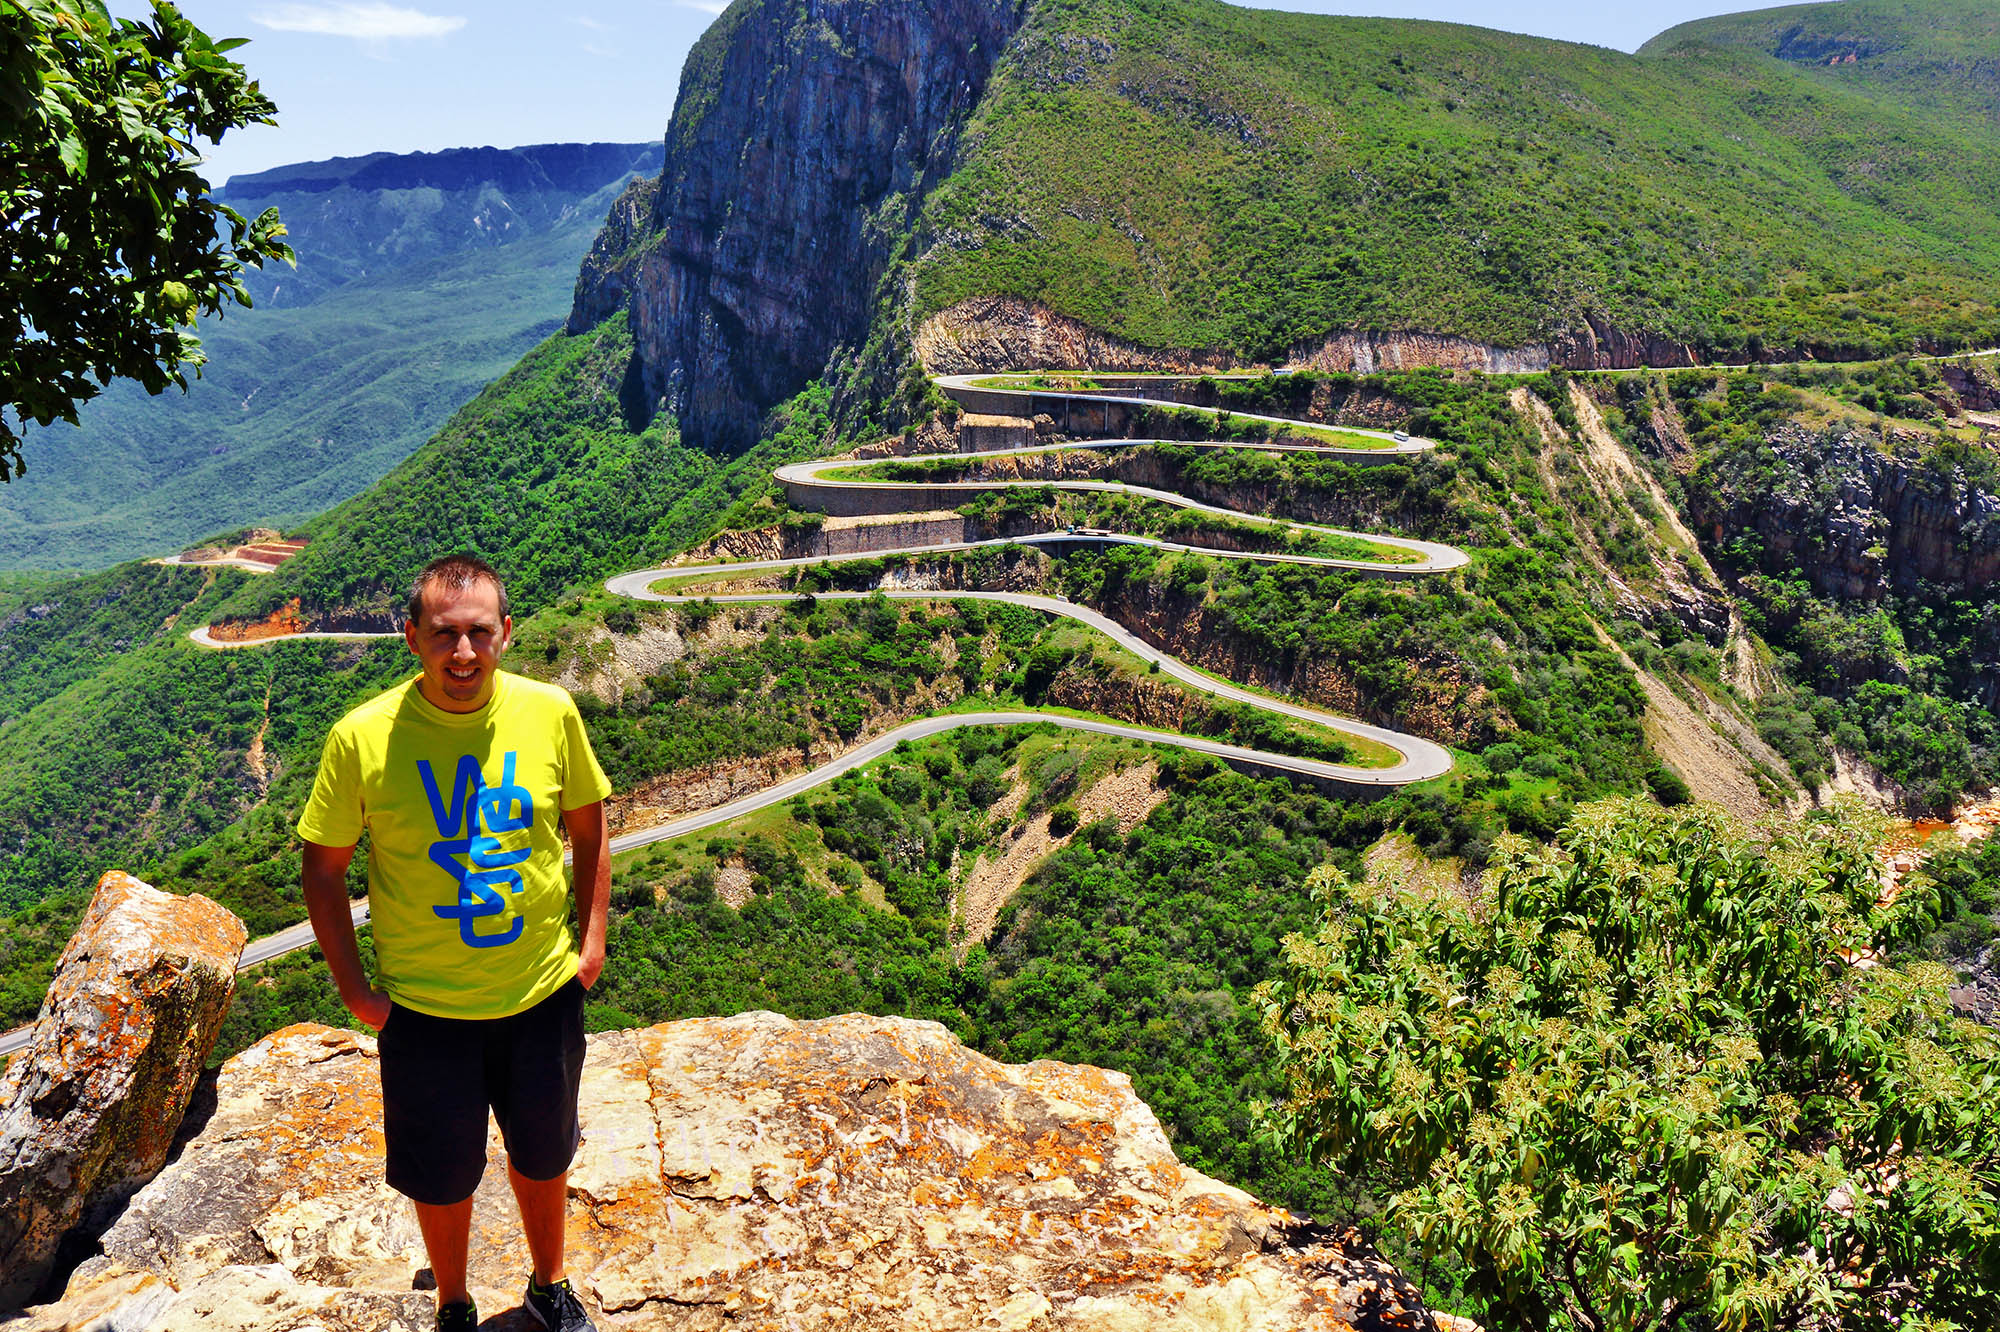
[89,1110]
[853,1173]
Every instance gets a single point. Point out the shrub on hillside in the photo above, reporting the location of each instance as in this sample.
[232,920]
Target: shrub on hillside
[1638,1084]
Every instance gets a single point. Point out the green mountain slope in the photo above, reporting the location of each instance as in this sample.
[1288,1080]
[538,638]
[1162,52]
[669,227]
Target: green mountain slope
[1941,56]
[409,297]
[1185,173]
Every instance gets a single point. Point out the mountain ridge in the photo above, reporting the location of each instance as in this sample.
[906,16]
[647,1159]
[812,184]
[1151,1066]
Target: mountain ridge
[406,302]
[1939,55]
[1191,176]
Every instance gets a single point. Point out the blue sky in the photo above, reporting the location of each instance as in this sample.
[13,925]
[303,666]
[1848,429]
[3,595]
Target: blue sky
[359,76]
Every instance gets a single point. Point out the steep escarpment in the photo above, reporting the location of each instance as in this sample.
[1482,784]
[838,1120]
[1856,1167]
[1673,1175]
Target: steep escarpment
[1187,185]
[1861,520]
[354,217]
[421,277]
[804,139]
[1853,516]
[1885,557]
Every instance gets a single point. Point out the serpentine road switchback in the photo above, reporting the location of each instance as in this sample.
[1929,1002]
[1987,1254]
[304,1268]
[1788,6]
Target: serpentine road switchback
[823,484]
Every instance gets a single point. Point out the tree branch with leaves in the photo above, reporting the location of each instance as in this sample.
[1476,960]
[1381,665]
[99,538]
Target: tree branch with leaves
[110,244]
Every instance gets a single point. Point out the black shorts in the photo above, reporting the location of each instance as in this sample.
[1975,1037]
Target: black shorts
[440,1075]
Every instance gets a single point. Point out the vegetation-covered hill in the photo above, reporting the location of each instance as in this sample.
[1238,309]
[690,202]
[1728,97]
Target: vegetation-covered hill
[1941,56]
[421,278]
[1249,184]
[1186,173]
[1737,585]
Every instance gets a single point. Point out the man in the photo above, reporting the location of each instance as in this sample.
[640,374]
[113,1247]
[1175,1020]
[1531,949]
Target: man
[458,777]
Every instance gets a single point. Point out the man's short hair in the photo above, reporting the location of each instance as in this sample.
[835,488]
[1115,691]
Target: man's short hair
[455,573]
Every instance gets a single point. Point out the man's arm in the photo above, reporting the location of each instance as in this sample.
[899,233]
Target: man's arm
[590,840]
[325,883]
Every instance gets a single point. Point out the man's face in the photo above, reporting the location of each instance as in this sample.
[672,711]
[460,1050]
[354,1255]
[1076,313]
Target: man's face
[459,638]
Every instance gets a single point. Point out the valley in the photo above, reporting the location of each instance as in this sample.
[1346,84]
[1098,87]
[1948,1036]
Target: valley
[1129,508]
[420,277]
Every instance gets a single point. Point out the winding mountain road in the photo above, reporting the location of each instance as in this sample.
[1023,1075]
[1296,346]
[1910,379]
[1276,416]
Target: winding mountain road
[813,484]
[1417,759]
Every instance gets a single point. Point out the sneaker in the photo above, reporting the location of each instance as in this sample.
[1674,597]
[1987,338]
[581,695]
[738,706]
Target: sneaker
[457,1317]
[557,1307]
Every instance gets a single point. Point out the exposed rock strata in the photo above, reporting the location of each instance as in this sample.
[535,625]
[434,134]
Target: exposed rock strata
[1974,384]
[751,1172]
[88,1110]
[1365,353]
[1598,346]
[1008,333]
[834,536]
[1860,521]
[1142,700]
[803,141]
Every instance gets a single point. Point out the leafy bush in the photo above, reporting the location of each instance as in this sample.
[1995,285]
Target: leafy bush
[1638,1086]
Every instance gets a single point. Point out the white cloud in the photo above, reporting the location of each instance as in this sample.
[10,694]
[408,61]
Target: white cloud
[370,21]
[705,6]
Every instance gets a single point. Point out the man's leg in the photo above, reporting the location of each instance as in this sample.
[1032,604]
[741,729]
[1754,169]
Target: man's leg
[534,1095]
[434,1128]
[544,1204]
[447,1230]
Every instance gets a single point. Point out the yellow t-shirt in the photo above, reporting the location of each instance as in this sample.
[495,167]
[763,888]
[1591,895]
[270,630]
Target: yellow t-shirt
[472,911]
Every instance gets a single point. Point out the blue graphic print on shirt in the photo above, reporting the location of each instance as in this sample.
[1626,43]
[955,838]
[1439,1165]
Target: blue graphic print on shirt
[488,866]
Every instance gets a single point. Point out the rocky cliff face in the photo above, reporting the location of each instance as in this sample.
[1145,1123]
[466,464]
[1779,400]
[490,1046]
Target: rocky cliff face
[805,137]
[603,285]
[1861,520]
[1975,385]
[750,1172]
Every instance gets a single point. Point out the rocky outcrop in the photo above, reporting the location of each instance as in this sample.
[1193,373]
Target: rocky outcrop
[88,1110]
[604,283]
[1596,345]
[1006,333]
[803,141]
[1974,384]
[754,1172]
[1141,700]
[1363,352]
[1859,520]
[834,536]
[293,618]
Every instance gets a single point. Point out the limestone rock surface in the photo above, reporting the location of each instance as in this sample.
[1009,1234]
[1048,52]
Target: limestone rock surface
[88,1111]
[749,1172]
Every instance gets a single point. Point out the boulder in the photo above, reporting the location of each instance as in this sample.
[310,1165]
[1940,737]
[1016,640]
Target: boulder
[751,1172]
[89,1110]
